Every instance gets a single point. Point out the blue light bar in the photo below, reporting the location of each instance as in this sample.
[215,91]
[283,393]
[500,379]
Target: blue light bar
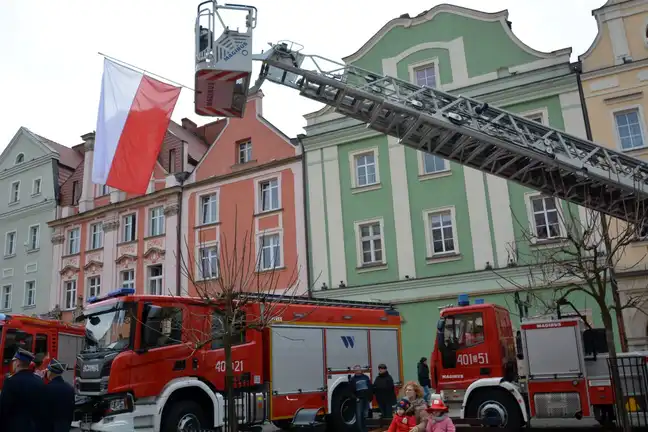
[121,292]
[3,317]
[479,301]
[463,300]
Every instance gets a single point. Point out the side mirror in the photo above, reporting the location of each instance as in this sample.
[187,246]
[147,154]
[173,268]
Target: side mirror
[518,345]
[439,336]
[152,325]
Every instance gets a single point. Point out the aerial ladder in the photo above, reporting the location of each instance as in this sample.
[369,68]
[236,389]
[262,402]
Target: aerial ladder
[458,128]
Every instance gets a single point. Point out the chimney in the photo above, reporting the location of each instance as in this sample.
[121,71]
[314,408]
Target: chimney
[189,125]
[87,189]
[256,98]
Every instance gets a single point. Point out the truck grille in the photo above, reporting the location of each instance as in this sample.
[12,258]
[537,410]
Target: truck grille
[92,387]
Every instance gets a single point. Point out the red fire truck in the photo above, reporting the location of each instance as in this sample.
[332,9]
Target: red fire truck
[137,370]
[45,338]
[475,367]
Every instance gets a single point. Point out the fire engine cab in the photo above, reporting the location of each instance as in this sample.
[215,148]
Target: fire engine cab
[475,366]
[140,367]
[45,338]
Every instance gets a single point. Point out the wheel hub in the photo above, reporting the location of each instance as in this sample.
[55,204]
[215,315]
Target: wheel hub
[188,422]
[347,412]
[493,413]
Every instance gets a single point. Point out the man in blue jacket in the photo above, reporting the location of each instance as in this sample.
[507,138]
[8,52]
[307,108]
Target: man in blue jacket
[21,404]
[59,399]
[362,393]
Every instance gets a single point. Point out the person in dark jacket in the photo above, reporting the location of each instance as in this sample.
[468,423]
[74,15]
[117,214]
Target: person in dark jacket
[362,393]
[424,377]
[385,392]
[59,398]
[21,407]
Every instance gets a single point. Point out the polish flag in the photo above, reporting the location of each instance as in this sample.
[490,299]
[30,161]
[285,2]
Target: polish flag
[134,114]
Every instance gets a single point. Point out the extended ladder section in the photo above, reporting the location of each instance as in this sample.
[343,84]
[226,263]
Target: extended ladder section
[469,132]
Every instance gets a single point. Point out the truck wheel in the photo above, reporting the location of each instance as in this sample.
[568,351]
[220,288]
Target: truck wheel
[342,418]
[183,416]
[282,424]
[496,407]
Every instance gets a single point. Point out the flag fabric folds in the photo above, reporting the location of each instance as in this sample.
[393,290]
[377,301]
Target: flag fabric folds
[134,114]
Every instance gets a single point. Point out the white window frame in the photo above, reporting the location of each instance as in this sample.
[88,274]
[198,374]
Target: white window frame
[532,115]
[69,239]
[131,283]
[101,190]
[16,162]
[7,252]
[642,126]
[530,217]
[4,297]
[91,236]
[11,192]
[155,220]
[246,152]
[133,218]
[354,171]
[358,240]
[209,246]
[39,181]
[201,204]
[259,244]
[430,175]
[33,246]
[429,246]
[94,289]
[258,195]
[425,64]
[26,299]
[73,298]
[159,279]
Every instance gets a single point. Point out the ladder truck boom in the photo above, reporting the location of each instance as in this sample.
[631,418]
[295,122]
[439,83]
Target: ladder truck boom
[469,132]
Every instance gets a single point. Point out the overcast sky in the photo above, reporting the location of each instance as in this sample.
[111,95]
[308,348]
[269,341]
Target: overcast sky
[50,71]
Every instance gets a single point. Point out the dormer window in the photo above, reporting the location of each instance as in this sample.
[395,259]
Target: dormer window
[20,158]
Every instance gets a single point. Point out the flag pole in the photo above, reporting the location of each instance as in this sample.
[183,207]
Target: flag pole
[131,66]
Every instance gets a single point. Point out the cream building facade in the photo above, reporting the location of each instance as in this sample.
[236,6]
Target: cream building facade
[615,88]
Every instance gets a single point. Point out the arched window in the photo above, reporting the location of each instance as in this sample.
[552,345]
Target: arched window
[20,158]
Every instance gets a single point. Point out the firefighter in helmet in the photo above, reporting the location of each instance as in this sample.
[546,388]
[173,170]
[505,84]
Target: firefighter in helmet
[21,407]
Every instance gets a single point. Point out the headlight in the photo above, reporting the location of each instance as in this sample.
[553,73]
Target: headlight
[119,404]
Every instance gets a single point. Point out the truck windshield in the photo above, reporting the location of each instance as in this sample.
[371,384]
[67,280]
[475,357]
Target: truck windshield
[108,327]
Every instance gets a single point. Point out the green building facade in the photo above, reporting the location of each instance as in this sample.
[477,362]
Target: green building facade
[389,223]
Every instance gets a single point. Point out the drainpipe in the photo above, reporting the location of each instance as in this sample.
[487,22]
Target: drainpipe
[181,177]
[578,68]
[306,220]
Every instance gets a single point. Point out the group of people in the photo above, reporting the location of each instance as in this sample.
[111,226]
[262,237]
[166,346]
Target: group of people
[414,411]
[29,404]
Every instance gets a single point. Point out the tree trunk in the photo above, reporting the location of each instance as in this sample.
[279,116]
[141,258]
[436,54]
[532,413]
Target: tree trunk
[232,421]
[621,418]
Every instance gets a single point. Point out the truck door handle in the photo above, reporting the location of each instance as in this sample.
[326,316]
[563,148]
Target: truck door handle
[290,399]
[179,365]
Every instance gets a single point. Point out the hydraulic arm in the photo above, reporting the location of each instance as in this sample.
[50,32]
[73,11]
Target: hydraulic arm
[469,132]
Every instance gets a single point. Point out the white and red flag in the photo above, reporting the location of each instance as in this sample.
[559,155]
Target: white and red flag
[134,114]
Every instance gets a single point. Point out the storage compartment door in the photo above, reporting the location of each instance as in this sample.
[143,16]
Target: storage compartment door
[69,347]
[553,351]
[345,349]
[384,349]
[297,360]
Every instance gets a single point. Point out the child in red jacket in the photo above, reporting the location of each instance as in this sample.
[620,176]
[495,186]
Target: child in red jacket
[403,421]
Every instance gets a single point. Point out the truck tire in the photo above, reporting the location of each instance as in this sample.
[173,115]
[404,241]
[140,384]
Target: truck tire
[282,424]
[497,405]
[184,415]
[342,417]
